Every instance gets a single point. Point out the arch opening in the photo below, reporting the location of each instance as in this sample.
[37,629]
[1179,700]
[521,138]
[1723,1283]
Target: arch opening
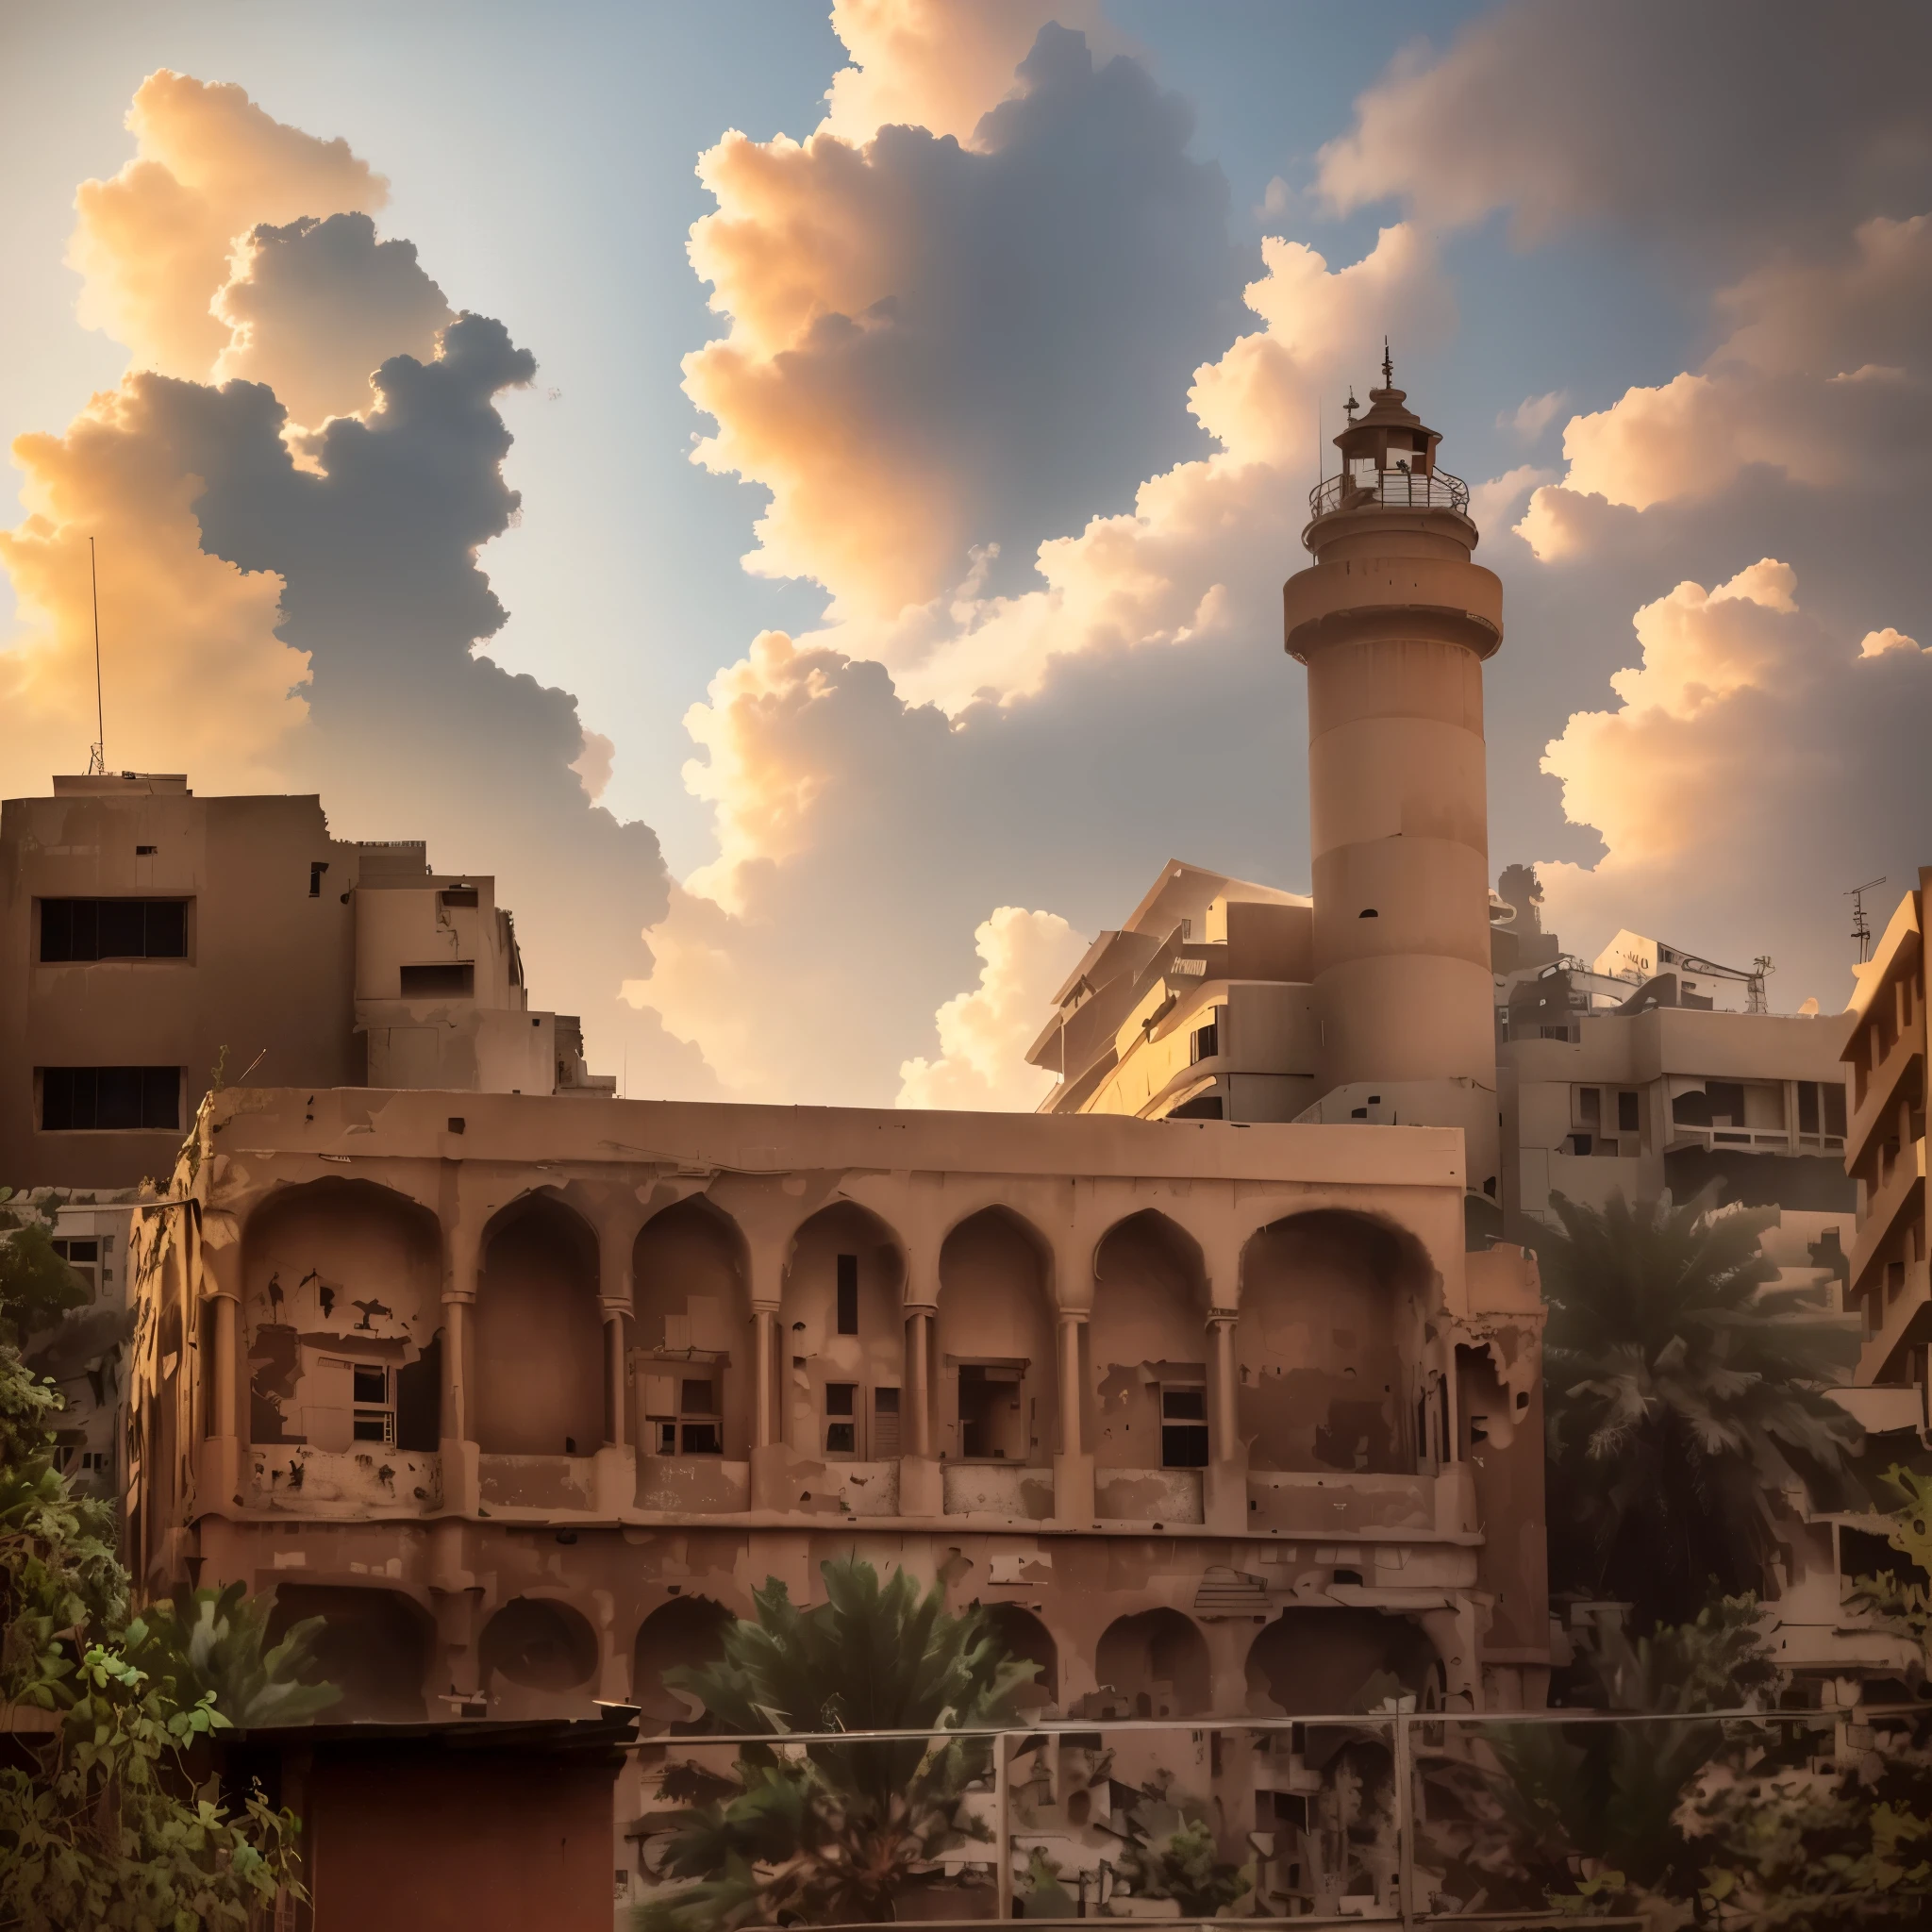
[1312,1662]
[343,1315]
[539,1368]
[841,1337]
[1027,1639]
[1329,1342]
[693,1390]
[686,1631]
[1153,1664]
[539,1644]
[998,1395]
[1149,1345]
[373,1646]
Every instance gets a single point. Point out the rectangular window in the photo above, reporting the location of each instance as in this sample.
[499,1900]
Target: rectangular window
[848,1295]
[449,980]
[371,1384]
[1207,1041]
[316,868]
[1628,1120]
[1581,1143]
[76,1100]
[697,1398]
[459,895]
[840,1398]
[375,1419]
[75,929]
[1726,1099]
[1807,1107]
[1590,1106]
[842,1410]
[1184,1428]
[1834,1109]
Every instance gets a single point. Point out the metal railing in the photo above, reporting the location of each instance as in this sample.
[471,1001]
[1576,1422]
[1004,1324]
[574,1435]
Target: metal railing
[1393,488]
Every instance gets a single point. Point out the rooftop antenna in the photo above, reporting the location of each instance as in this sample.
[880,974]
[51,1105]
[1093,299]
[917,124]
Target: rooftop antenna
[1861,930]
[1755,999]
[1349,408]
[97,756]
[1387,366]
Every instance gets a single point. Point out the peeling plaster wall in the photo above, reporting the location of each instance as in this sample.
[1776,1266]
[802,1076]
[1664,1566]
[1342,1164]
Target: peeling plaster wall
[692,1318]
[1325,1374]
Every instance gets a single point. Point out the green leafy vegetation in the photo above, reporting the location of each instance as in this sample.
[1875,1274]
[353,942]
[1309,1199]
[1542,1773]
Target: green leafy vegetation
[830,1832]
[109,1815]
[1683,1391]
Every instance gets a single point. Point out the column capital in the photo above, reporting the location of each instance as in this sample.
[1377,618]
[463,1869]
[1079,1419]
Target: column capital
[1217,1316]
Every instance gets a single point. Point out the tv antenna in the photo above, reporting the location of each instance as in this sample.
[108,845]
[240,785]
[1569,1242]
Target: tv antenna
[97,755]
[1861,929]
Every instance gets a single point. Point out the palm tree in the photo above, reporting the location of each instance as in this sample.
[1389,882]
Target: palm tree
[831,1833]
[1683,1390]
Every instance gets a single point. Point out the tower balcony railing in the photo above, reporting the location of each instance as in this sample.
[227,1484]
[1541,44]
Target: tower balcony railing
[1395,488]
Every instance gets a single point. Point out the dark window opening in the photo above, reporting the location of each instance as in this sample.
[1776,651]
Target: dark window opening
[840,1438]
[1834,1109]
[109,1099]
[989,1392]
[1580,1144]
[840,1398]
[459,895]
[1589,1105]
[1807,1107]
[885,1425]
[449,980]
[146,851]
[848,1295]
[702,1439]
[1368,912]
[1207,1041]
[1627,1113]
[72,1248]
[74,929]
[371,1383]
[316,868]
[1184,1428]
[1205,1107]
[697,1398]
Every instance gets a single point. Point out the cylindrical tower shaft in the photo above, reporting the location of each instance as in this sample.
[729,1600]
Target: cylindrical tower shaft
[1394,622]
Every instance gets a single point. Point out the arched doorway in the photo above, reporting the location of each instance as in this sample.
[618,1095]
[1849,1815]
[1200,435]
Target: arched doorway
[373,1646]
[1313,1662]
[1026,1637]
[539,1338]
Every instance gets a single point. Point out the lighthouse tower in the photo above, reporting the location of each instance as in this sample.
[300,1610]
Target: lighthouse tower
[1394,622]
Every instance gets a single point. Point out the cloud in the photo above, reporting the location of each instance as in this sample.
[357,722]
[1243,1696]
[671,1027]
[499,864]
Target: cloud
[938,64]
[1754,764]
[1713,129]
[1533,415]
[195,677]
[936,349]
[1822,379]
[594,763]
[1875,643]
[152,243]
[984,1033]
[315,306]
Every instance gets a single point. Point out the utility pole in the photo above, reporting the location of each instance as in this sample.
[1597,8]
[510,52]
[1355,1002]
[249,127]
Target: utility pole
[1861,930]
[97,755]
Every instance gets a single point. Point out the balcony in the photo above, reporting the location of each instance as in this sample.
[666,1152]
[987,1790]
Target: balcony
[347,1485]
[1014,1491]
[1752,1140]
[1393,490]
[1149,1495]
[1879,1087]
[1901,1187]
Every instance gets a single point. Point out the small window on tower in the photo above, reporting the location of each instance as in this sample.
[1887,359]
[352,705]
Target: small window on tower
[1628,1120]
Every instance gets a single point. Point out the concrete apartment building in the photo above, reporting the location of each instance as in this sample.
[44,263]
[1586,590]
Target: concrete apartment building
[147,936]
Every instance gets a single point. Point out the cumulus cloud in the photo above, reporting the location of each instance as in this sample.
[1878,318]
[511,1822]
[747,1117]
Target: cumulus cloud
[1713,127]
[1875,643]
[938,64]
[1533,415]
[935,348]
[152,243]
[984,1032]
[1754,764]
[198,678]
[1823,380]
[315,306]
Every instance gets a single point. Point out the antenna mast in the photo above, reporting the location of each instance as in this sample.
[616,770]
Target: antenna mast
[1861,930]
[97,756]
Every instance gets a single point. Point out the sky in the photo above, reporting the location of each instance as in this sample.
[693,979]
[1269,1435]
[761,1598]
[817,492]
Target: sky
[801,497]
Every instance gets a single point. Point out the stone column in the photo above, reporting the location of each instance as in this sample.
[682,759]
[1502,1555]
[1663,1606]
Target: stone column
[1225,1479]
[1072,1468]
[614,1478]
[212,1268]
[771,1481]
[922,1481]
[461,1460]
